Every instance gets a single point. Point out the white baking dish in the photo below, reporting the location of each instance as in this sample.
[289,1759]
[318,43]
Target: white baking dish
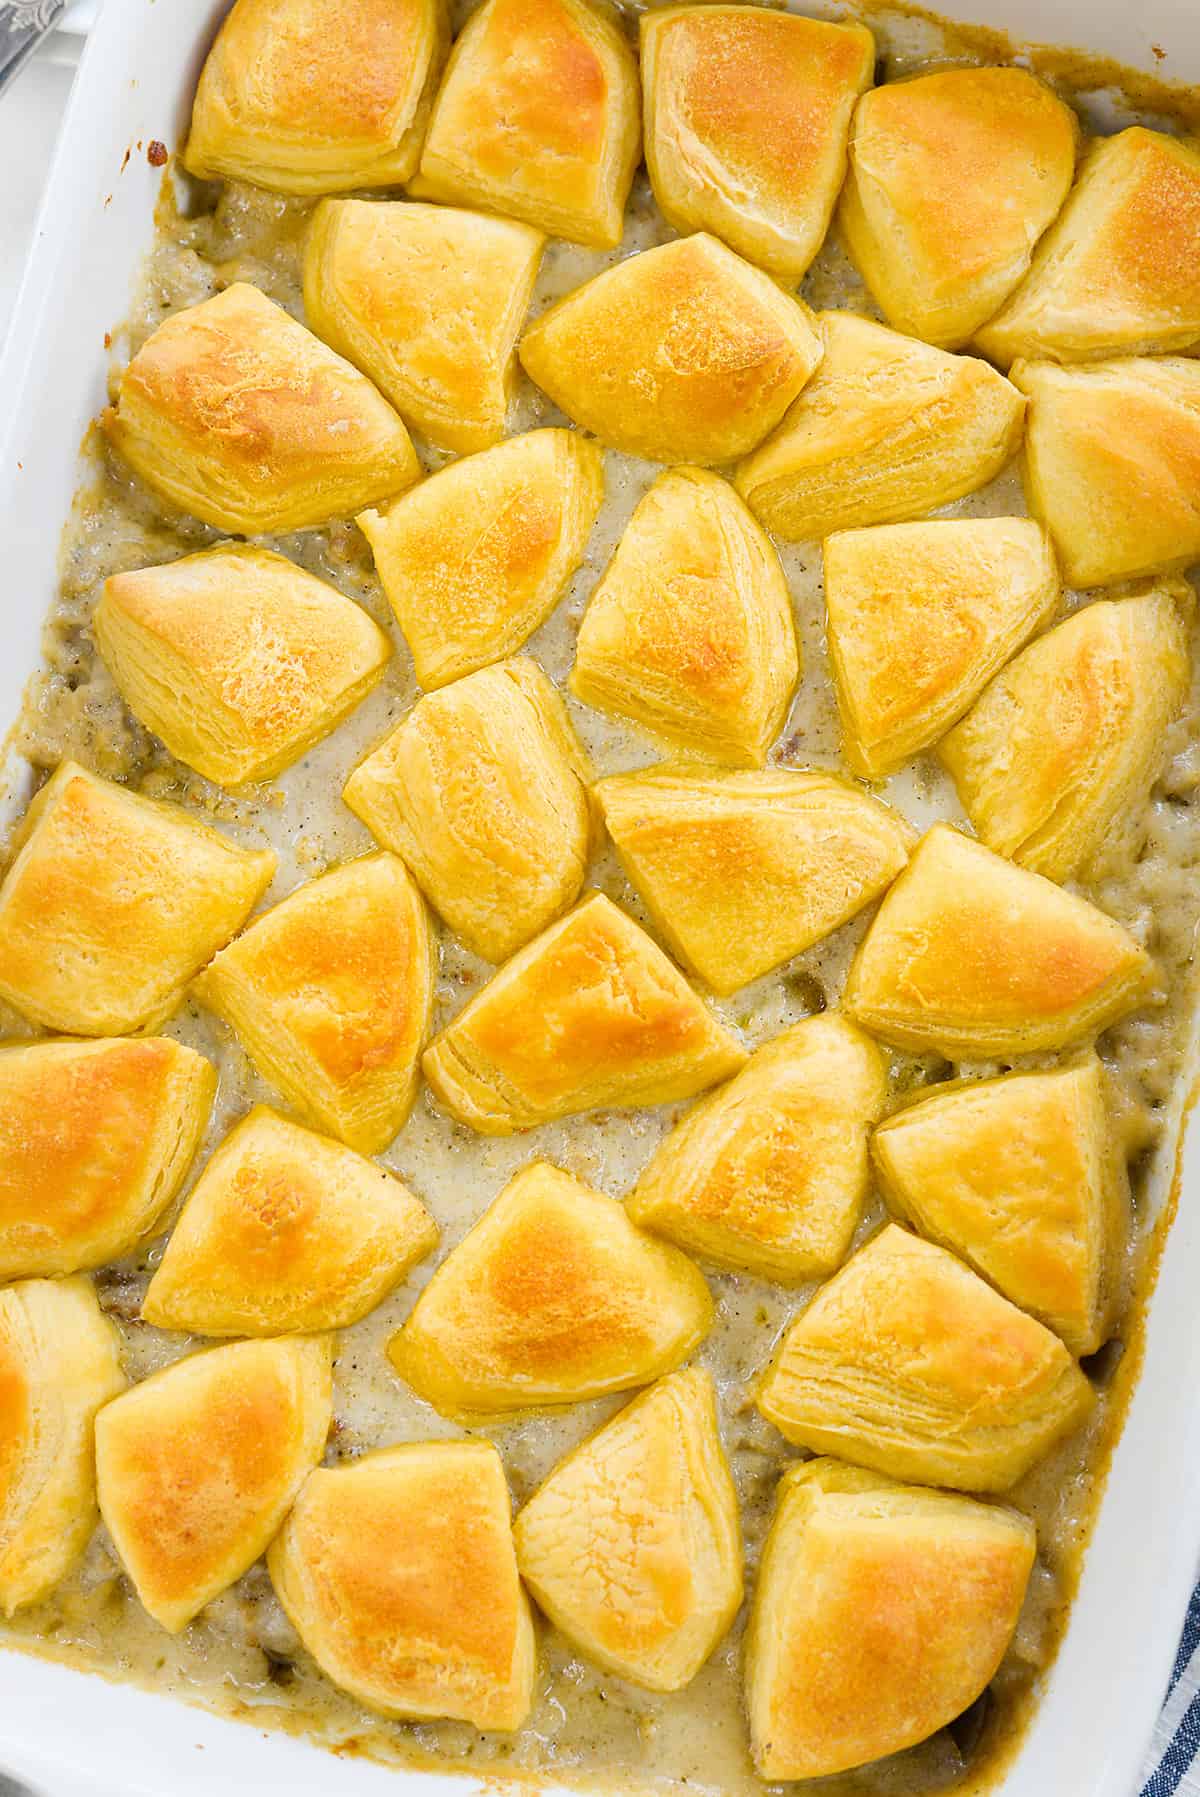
[70,1734]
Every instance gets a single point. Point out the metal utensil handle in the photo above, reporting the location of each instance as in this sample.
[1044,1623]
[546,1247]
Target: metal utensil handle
[23,25]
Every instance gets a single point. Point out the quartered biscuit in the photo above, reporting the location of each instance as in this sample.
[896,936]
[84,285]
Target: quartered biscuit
[1065,742]
[683,353]
[235,413]
[1119,274]
[313,96]
[199,1464]
[741,871]
[239,660]
[768,1175]
[285,1232]
[112,902]
[483,790]
[590,1013]
[690,632]
[538,118]
[747,116]
[919,617]
[953,179]
[553,1297]
[427,301]
[331,993]
[95,1141]
[1112,464]
[973,956]
[888,428]
[1023,1177]
[58,1364]
[907,1362]
[478,555]
[881,1613]
[399,1575]
[632,1546]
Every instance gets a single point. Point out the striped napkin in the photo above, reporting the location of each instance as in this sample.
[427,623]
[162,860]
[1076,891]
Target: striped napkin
[1171,1768]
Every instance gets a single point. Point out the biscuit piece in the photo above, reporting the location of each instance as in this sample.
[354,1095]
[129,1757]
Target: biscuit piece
[690,631]
[199,1464]
[112,902]
[478,555]
[236,658]
[919,617]
[1119,274]
[741,871]
[769,1174]
[58,1364]
[1069,737]
[553,1297]
[235,413]
[973,956]
[1023,1177]
[483,790]
[306,98]
[632,1546]
[953,178]
[538,118]
[907,1362]
[683,353]
[330,993]
[1112,464]
[888,428]
[427,301]
[591,1013]
[747,116]
[398,1573]
[285,1232]
[95,1141]
[881,1613]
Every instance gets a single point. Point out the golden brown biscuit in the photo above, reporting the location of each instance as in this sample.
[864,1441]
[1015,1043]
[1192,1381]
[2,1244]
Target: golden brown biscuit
[58,1364]
[1119,274]
[398,1573]
[199,1464]
[237,658]
[95,1141]
[907,1362]
[235,413]
[768,1174]
[741,871]
[632,1546]
[538,118]
[112,902]
[310,98]
[1023,1177]
[747,116]
[483,791]
[1071,734]
[1112,464]
[427,301]
[973,956]
[683,353]
[690,631]
[553,1297]
[880,1614]
[285,1232]
[478,555]
[330,993]
[919,617]
[953,178]
[590,1013]
[887,428]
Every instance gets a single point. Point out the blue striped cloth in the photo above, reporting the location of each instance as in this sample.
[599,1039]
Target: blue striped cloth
[1171,1768]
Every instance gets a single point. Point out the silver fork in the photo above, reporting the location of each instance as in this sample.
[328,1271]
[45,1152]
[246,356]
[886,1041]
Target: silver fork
[23,25]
